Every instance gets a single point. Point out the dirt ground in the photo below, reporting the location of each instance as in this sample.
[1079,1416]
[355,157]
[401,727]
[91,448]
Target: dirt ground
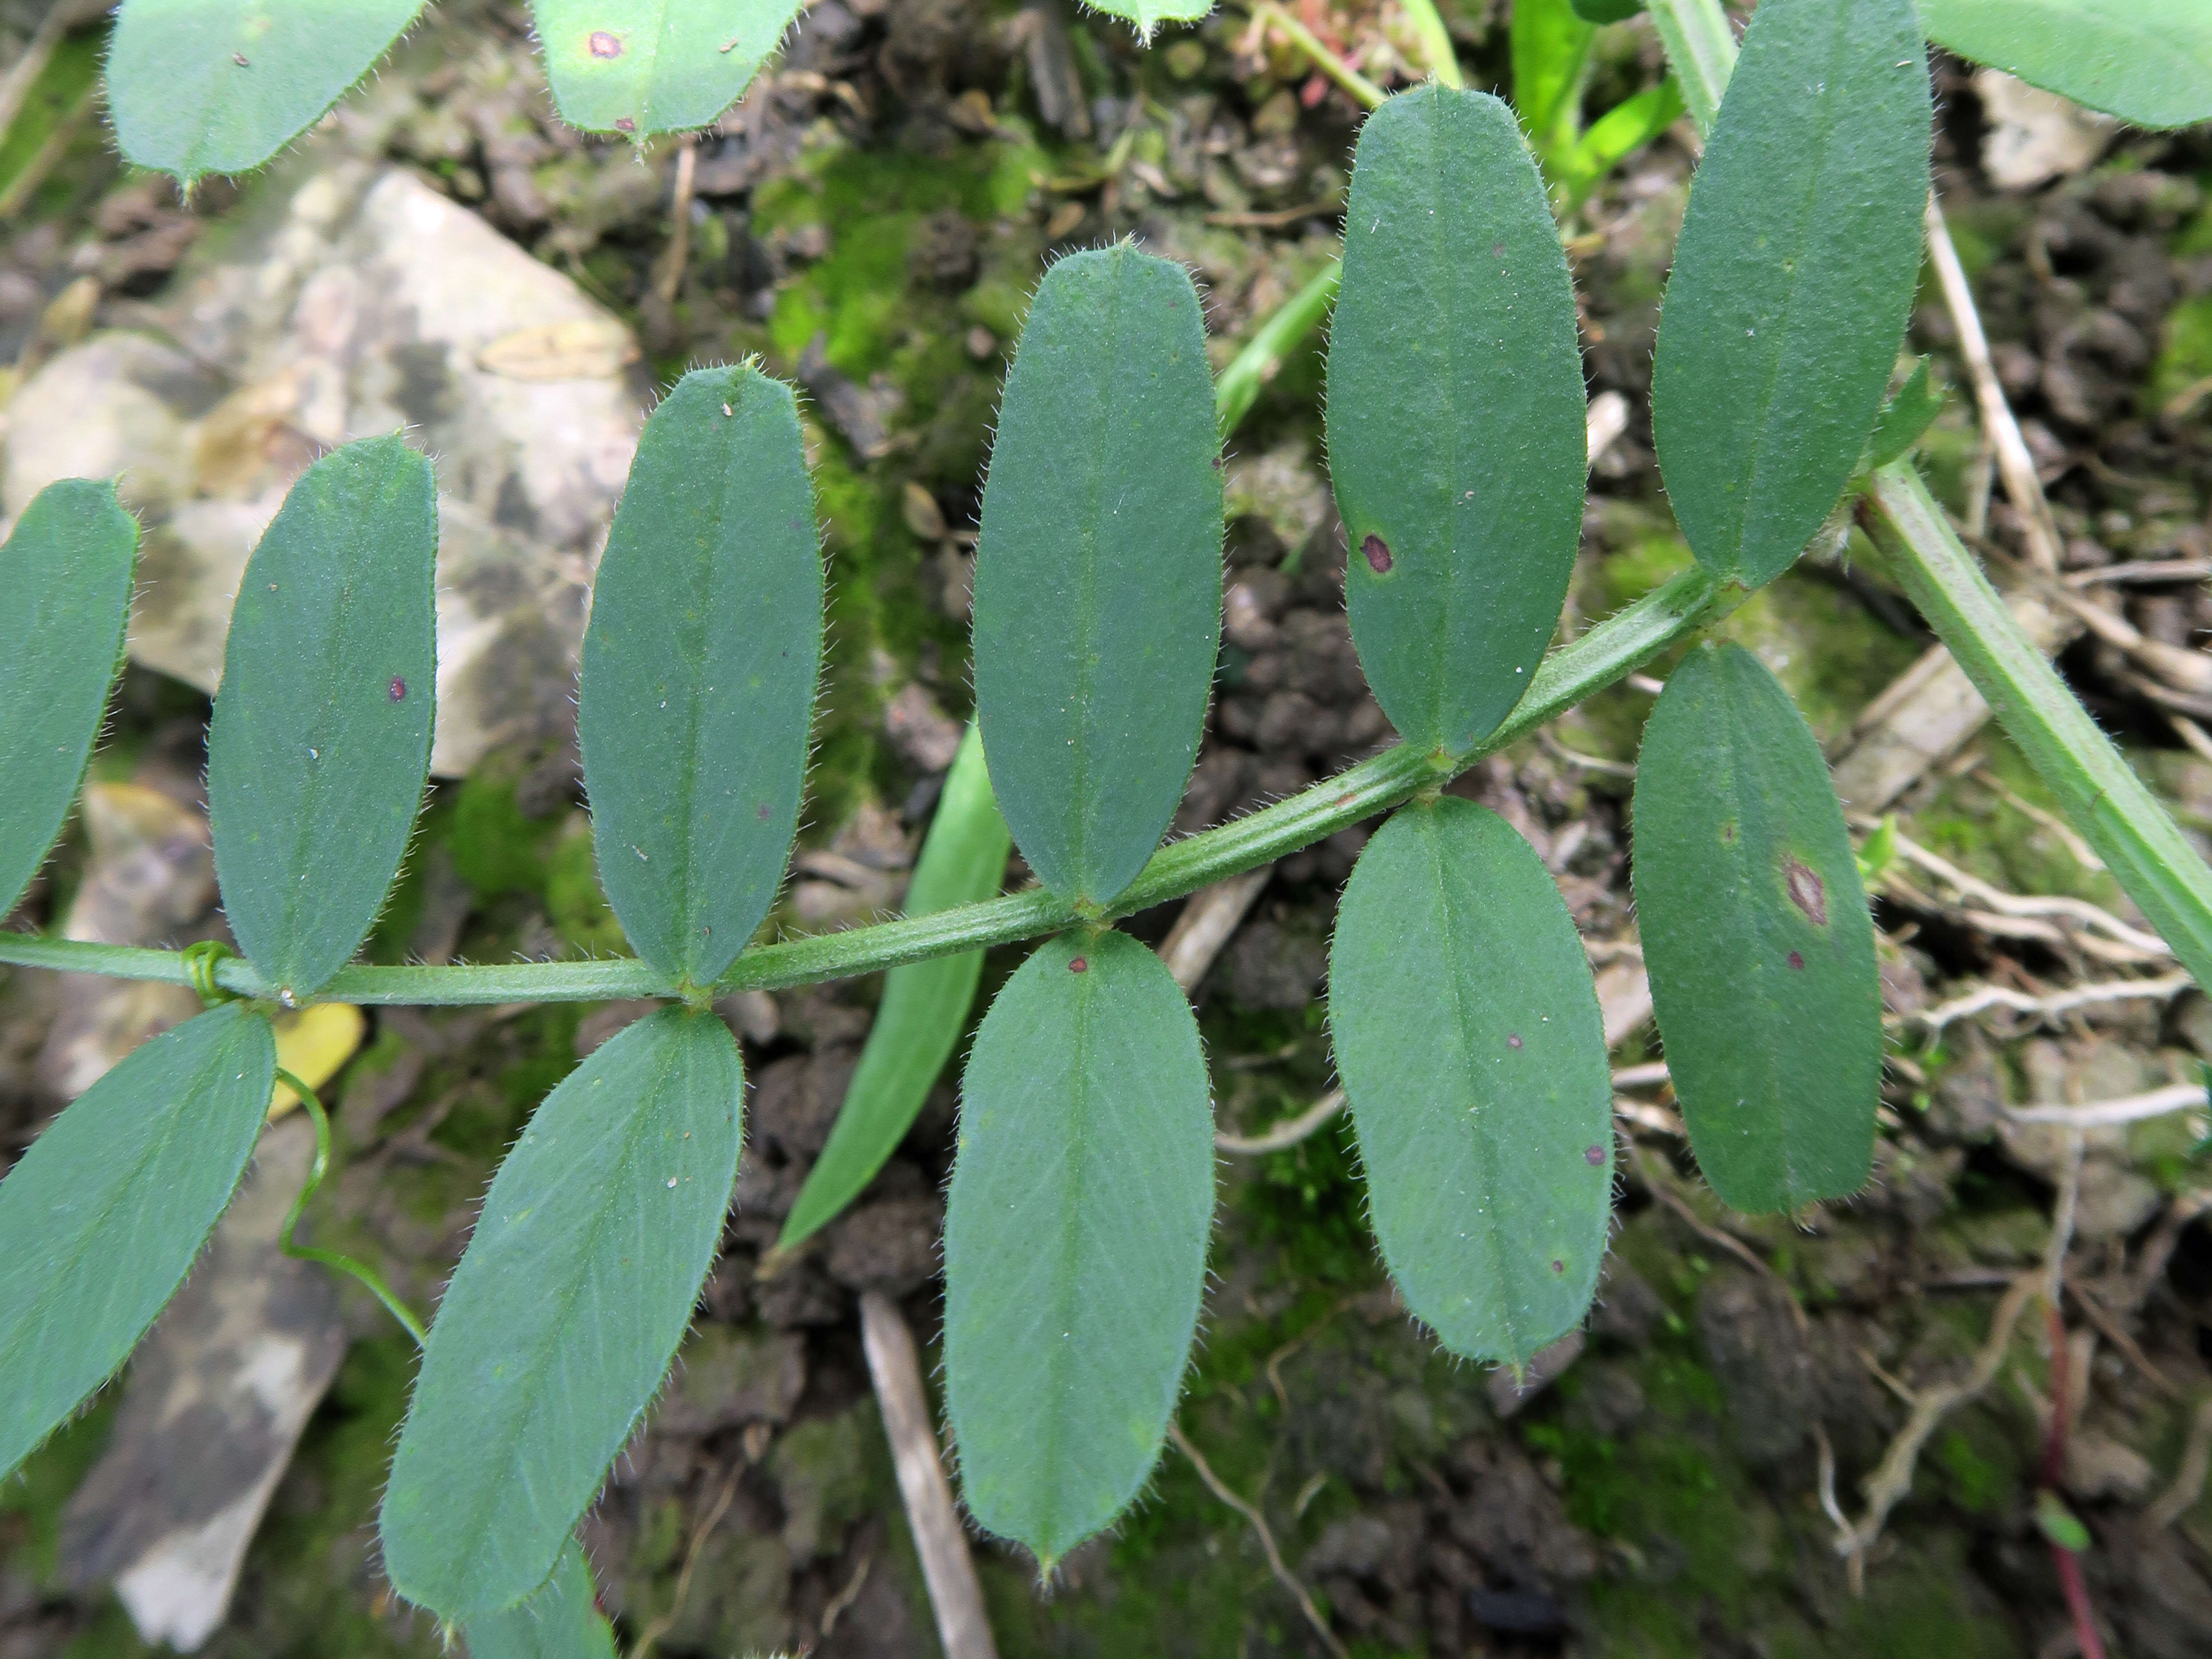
[869,222]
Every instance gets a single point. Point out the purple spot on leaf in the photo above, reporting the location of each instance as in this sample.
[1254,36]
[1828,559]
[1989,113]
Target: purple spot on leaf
[398,688]
[1807,890]
[1797,959]
[1378,555]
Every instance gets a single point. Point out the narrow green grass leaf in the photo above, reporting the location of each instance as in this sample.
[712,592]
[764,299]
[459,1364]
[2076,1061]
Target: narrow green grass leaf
[2146,61]
[699,670]
[1456,414]
[220,86]
[65,589]
[925,1005]
[1620,133]
[1473,1054]
[1792,278]
[1757,938]
[639,67]
[1098,573]
[562,1620]
[1074,1238]
[101,1219]
[320,742]
[1550,43]
[1606,11]
[561,1318]
[1904,417]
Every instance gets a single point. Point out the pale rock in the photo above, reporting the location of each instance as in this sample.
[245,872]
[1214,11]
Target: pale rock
[355,302]
[2036,136]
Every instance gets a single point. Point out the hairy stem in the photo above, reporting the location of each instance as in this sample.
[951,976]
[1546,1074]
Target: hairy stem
[2139,843]
[1613,648]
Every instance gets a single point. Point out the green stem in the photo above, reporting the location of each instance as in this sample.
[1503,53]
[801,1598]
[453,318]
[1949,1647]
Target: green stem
[1435,42]
[1270,15]
[1701,47]
[1250,371]
[345,1264]
[2131,832]
[1615,648]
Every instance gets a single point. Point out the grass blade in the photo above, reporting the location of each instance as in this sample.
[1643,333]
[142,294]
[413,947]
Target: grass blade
[1074,1238]
[320,743]
[1792,279]
[1098,573]
[563,1315]
[1456,414]
[925,1005]
[2135,836]
[101,1219]
[699,670]
[65,589]
[1473,1054]
[220,86]
[1757,938]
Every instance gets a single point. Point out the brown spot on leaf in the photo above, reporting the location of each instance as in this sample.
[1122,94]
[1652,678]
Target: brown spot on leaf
[1513,1040]
[239,58]
[1593,1155]
[1807,890]
[605,45]
[1077,965]
[1558,1266]
[1727,833]
[398,688]
[1378,555]
[1797,960]
[623,123]
[761,812]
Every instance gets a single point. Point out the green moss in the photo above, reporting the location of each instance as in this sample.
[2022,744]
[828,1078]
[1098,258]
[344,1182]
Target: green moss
[1823,645]
[1979,1466]
[2184,360]
[497,848]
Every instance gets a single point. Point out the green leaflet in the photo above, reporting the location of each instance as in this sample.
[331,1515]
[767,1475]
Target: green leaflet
[925,1005]
[1074,1238]
[65,589]
[1756,937]
[1098,573]
[320,742]
[699,670]
[644,66]
[1904,417]
[561,1318]
[220,86]
[102,1217]
[1148,17]
[1792,278]
[1456,412]
[1473,1054]
[561,1621]
[2146,61]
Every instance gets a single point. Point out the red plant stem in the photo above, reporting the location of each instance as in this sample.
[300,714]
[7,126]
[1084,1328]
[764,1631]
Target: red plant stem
[2065,1562]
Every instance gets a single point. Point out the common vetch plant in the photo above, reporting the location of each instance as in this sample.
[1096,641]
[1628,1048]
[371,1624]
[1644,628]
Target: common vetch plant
[1465,1021]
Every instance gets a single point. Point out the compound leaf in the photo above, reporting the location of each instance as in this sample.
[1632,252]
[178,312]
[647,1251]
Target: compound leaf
[1792,279]
[1757,938]
[320,743]
[1098,573]
[561,1621]
[561,1318]
[220,86]
[101,1219]
[1074,1238]
[639,67]
[65,589]
[1456,414]
[699,670]
[1473,1054]
[925,1004]
[2146,61]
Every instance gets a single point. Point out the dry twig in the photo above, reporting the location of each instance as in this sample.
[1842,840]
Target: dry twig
[2047,1007]
[1283,1576]
[1287,1132]
[2188,1485]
